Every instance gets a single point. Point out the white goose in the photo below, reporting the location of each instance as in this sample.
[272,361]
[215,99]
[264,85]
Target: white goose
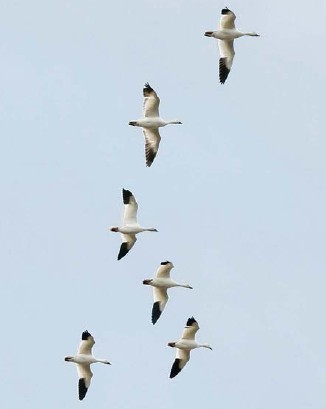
[160,284]
[185,345]
[84,359]
[129,227]
[226,34]
[150,123]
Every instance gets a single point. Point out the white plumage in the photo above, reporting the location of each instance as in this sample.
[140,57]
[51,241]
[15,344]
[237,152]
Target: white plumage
[130,226]
[160,284]
[151,122]
[83,360]
[225,35]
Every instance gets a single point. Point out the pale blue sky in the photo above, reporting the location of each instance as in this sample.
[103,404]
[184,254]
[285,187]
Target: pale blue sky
[237,193]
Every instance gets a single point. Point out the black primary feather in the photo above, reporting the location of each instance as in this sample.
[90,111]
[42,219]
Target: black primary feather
[85,335]
[223,69]
[190,321]
[225,10]
[126,194]
[156,312]
[82,390]
[164,263]
[123,250]
[150,155]
[147,89]
[175,368]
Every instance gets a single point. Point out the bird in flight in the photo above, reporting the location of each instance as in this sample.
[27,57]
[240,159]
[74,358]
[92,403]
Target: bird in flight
[225,35]
[130,226]
[160,284]
[83,359]
[151,122]
[185,345]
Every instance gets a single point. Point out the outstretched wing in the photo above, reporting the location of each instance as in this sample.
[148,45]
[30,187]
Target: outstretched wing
[160,299]
[130,208]
[227,19]
[226,58]
[190,329]
[85,375]
[86,344]
[164,270]
[151,101]
[128,240]
[152,142]
[182,357]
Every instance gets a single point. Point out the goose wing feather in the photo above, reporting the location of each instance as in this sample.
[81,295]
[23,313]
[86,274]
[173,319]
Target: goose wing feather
[85,375]
[160,299]
[182,357]
[152,142]
[128,240]
[164,270]
[86,344]
[227,19]
[226,58]
[130,208]
[189,332]
[151,102]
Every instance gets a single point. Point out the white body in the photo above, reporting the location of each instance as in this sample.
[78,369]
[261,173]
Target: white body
[225,35]
[184,345]
[151,122]
[130,226]
[160,283]
[83,360]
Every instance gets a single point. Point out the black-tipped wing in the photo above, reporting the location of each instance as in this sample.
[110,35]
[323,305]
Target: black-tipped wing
[226,59]
[151,101]
[160,300]
[156,312]
[128,240]
[182,357]
[152,142]
[85,375]
[164,270]
[86,344]
[190,329]
[82,390]
[126,196]
[130,208]
[227,19]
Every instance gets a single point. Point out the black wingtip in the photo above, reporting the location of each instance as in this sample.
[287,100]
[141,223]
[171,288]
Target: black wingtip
[191,321]
[225,10]
[175,368]
[156,312]
[82,390]
[123,250]
[85,335]
[148,87]
[150,156]
[223,70]
[126,194]
[164,263]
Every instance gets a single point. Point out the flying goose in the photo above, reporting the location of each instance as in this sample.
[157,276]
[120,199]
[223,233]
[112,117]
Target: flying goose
[84,359]
[129,227]
[151,122]
[225,35]
[160,284]
[185,345]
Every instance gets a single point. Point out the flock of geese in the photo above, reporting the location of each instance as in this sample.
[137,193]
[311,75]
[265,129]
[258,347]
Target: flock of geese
[151,122]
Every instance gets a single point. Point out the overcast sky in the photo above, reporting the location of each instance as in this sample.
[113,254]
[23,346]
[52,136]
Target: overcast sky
[237,193]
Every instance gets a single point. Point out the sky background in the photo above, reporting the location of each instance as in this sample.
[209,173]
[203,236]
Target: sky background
[237,193]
